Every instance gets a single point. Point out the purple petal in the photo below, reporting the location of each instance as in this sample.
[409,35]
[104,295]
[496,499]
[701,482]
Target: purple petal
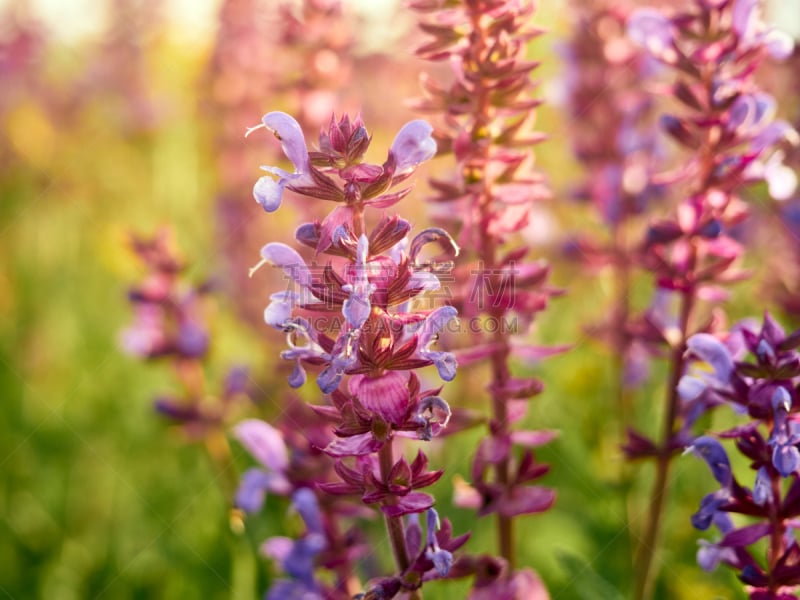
[415,502]
[306,504]
[268,193]
[192,339]
[279,310]
[745,18]
[356,445]
[424,281]
[289,260]
[433,413]
[264,443]
[709,556]
[386,395]
[433,235]
[779,44]
[297,378]
[286,589]
[715,456]
[690,387]
[434,323]
[253,490]
[745,535]
[533,439]
[328,380]
[774,133]
[442,561]
[762,488]
[527,500]
[445,363]
[290,135]
[277,548]
[786,459]
[708,348]
[651,30]
[412,145]
[781,400]
[357,308]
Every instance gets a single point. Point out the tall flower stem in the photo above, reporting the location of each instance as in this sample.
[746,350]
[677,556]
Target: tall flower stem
[394,525]
[649,544]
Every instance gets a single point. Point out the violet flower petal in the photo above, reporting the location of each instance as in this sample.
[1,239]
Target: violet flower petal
[279,310]
[290,135]
[714,352]
[307,506]
[288,259]
[442,559]
[268,193]
[252,489]
[762,488]
[413,145]
[785,458]
[715,456]
[264,443]
[386,395]
[651,30]
[356,309]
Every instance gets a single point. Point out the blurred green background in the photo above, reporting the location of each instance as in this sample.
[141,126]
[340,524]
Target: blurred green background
[114,117]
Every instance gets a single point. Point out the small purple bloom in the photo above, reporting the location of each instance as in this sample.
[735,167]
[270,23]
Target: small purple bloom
[708,348]
[146,336]
[413,145]
[710,555]
[785,455]
[279,310]
[762,488]
[289,260]
[442,559]
[253,488]
[357,307]
[386,395]
[752,31]
[651,30]
[715,456]
[437,320]
[267,191]
[433,414]
[344,356]
[266,445]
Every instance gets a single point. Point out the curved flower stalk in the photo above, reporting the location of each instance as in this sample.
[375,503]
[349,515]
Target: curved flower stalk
[170,325]
[614,138]
[487,117]
[351,320]
[728,128]
[764,390]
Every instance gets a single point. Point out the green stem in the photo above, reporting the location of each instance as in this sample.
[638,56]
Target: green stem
[645,575]
[394,525]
